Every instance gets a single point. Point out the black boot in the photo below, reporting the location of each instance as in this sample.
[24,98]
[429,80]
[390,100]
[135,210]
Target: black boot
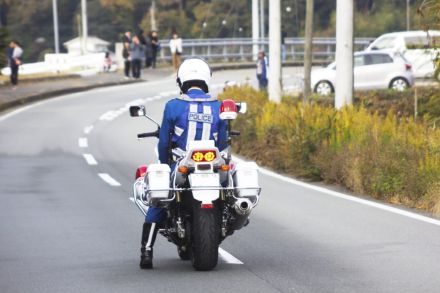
[149,232]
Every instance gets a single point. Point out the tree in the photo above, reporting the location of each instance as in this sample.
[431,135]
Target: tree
[3,46]
[430,14]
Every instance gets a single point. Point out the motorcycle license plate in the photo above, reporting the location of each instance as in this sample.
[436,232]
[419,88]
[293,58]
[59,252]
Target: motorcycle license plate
[205,180]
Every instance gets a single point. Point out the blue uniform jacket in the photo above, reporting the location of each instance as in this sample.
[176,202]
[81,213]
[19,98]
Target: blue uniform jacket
[188,120]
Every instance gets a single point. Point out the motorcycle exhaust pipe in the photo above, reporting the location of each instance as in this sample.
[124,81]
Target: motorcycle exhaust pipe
[243,206]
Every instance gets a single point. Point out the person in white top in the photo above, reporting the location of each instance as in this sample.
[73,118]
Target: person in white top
[176,50]
[15,61]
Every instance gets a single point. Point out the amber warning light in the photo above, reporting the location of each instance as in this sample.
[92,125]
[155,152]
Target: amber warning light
[204,156]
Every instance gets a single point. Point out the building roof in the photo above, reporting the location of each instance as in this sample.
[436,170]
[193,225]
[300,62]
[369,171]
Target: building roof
[90,39]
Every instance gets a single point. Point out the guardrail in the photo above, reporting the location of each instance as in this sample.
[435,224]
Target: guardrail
[62,63]
[241,49]
[213,50]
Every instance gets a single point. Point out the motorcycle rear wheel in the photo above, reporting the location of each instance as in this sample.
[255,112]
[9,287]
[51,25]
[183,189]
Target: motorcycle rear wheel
[205,238]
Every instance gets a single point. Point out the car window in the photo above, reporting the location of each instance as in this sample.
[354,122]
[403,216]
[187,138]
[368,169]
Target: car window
[422,42]
[418,42]
[385,43]
[358,61]
[377,59]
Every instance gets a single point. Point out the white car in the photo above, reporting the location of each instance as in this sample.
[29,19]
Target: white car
[372,70]
[415,46]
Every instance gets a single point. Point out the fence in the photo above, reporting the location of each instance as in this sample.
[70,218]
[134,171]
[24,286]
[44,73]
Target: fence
[240,49]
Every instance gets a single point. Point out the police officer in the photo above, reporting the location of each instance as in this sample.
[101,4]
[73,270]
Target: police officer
[194,115]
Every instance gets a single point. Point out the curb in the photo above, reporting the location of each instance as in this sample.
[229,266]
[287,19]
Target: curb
[51,94]
[39,79]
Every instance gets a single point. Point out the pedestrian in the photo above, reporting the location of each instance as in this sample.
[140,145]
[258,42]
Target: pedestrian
[137,52]
[176,50]
[15,60]
[155,47]
[107,62]
[283,45]
[148,51]
[262,70]
[126,41]
[144,41]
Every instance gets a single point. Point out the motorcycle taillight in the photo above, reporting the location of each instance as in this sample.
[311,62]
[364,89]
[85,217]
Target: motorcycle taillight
[204,156]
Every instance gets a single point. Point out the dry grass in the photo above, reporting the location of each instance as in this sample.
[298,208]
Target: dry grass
[386,156]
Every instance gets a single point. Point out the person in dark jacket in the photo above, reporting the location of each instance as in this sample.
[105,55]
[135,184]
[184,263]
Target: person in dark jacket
[153,47]
[137,53]
[15,60]
[126,41]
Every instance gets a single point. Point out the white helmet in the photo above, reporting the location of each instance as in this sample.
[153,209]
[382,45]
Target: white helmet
[194,71]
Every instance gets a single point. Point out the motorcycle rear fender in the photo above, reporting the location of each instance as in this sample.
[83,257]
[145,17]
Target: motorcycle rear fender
[205,186]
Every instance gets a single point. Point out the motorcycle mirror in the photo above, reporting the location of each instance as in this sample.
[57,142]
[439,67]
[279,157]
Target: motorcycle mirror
[136,111]
[242,107]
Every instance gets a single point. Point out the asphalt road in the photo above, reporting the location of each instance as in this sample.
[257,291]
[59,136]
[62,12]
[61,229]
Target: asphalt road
[65,228]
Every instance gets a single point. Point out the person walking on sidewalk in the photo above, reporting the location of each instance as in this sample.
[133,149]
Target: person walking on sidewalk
[176,50]
[126,41]
[262,71]
[15,60]
[137,51]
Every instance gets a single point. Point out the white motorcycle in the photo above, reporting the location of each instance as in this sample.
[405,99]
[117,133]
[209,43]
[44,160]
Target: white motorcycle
[206,197]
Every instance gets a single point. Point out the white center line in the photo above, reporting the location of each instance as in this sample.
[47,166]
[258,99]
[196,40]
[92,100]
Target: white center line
[90,159]
[82,142]
[228,258]
[108,179]
[87,129]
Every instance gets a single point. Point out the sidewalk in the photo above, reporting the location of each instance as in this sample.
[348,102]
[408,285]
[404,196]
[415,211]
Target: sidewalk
[29,91]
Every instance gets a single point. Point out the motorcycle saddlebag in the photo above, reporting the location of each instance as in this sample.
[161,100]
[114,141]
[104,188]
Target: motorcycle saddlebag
[158,181]
[246,179]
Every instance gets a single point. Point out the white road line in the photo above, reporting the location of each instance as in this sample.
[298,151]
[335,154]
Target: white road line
[348,197]
[90,159]
[88,129]
[131,199]
[82,142]
[15,112]
[228,258]
[108,179]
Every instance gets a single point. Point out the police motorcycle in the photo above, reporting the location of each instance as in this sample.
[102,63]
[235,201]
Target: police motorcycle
[206,197]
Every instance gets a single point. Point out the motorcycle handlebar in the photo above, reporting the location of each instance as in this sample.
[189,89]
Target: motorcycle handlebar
[148,134]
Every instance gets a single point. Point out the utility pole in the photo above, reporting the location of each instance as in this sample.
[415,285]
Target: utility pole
[308,49]
[275,50]
[84,26]
[153,16]
[344,53]
[407,15]
[55,27]
[262,29]
[255,29]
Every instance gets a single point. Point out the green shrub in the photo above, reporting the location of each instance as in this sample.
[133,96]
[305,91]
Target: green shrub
[370,150]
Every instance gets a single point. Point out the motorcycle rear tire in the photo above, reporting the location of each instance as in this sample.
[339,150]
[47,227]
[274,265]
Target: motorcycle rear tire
[205,238]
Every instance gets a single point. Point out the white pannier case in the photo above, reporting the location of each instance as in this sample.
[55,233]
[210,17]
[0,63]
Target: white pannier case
[246,179]
[157,181]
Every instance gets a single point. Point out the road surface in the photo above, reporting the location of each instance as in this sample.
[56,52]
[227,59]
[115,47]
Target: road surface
[67,224]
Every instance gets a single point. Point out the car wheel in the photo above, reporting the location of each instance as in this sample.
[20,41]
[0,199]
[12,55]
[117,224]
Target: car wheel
[399,84]
[324,88]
